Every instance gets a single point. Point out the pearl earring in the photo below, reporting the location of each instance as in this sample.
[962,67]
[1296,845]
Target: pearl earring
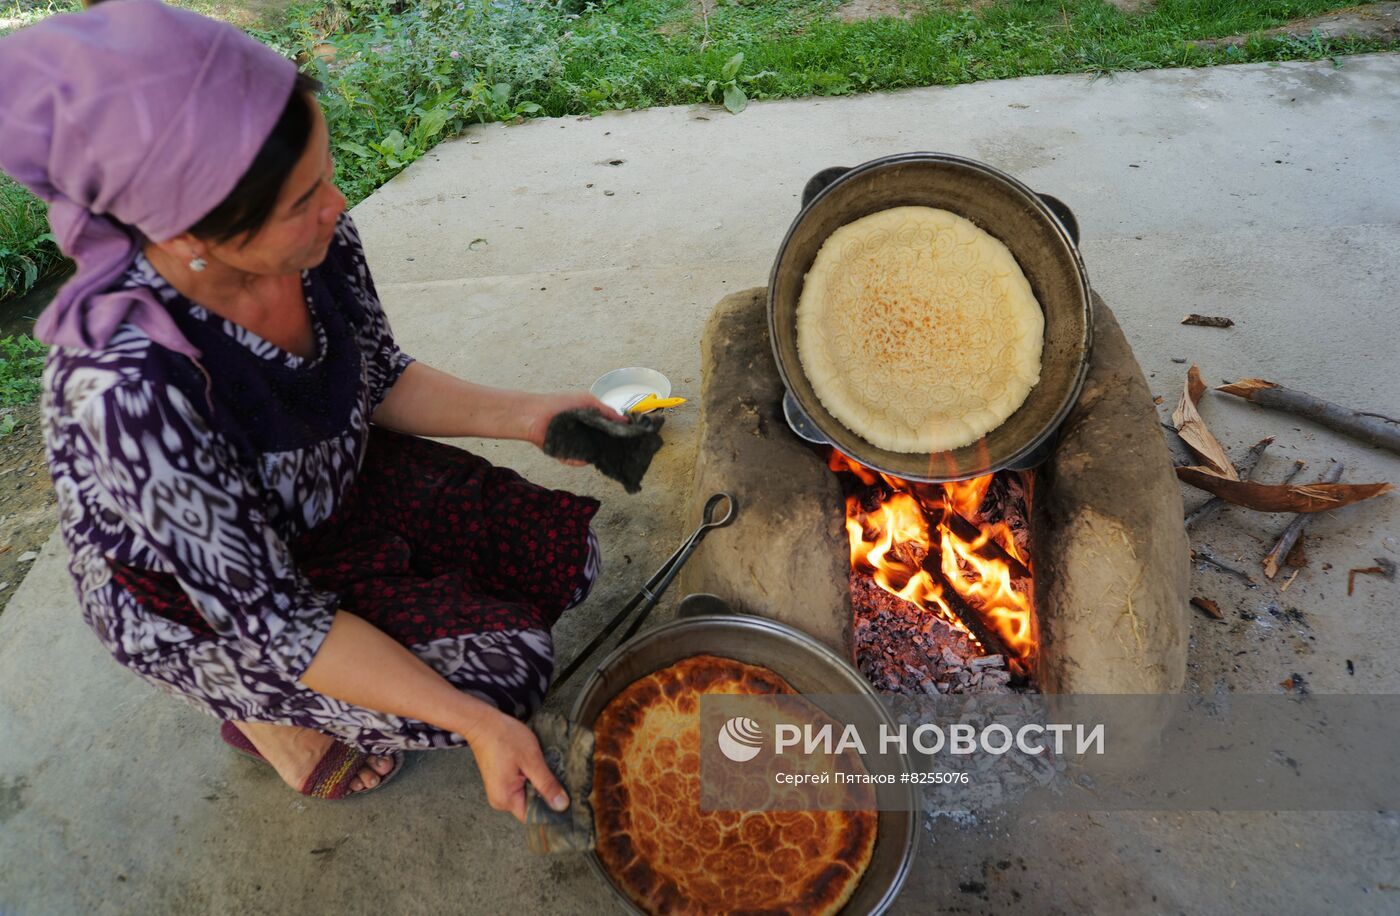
[198,264]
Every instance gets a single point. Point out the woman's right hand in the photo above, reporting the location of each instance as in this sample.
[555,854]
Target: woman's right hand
[508,755]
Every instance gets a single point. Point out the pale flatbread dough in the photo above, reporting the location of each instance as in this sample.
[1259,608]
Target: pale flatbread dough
[918,330]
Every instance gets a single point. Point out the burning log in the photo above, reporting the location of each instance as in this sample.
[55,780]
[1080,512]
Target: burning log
[936,503]
[1246,469]
[991,550]
[1371,428]
[1290,535]
[966,614]
[917,543]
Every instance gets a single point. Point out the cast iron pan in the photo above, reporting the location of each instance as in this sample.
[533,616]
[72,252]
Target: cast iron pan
[1041,233]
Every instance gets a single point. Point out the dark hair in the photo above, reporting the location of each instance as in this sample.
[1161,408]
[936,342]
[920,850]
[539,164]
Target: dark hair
[252,200]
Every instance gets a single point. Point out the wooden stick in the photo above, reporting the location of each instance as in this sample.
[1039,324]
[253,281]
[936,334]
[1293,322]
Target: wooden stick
[1206,557]
[1298,465]
[1274,557]
[1373,429]
[1246,468]
[1353,573]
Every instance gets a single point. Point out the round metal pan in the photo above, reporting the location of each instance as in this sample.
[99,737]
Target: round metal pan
[1041,234]
[810,668]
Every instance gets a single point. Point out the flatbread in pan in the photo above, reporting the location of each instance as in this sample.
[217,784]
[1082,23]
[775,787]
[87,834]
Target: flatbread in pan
[671,857]
[918,330]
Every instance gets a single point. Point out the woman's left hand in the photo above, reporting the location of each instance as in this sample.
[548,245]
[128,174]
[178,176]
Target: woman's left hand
[548,406]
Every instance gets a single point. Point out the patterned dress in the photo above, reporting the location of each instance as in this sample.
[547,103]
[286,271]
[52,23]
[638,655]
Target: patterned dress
[218,516]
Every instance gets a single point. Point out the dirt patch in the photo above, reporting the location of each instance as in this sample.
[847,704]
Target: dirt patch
[1133,6]
[1376,20]
[861,10]
[28,511]
[250,13]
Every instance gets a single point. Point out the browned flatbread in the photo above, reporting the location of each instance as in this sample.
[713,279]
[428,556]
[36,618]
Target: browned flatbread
[671,857]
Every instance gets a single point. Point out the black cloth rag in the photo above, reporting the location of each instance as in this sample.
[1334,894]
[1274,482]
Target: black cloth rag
[622,451]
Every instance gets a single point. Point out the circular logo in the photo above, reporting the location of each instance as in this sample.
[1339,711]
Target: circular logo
[741,739]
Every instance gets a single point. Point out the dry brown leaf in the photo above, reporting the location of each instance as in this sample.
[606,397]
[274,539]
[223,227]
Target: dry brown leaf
[1264,497]
[1210,607]
[1193,429]
[1208,321]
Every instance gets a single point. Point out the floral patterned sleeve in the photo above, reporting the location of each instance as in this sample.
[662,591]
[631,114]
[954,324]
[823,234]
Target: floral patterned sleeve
[184,490]
[384,360]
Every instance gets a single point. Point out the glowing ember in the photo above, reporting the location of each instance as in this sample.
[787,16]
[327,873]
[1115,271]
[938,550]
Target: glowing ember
[917,541]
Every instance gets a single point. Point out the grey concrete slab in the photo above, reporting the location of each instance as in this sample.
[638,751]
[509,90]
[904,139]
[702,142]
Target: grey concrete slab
[1263,193]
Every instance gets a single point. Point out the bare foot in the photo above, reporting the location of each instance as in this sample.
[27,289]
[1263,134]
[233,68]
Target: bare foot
[294,753]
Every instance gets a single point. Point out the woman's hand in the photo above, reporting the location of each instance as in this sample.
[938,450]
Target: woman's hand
[548,406]
[508,755]
[429,402]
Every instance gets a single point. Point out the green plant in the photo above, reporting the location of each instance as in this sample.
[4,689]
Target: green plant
[21,366]
[27,250]
[735,98]
[726,90]
[401,81]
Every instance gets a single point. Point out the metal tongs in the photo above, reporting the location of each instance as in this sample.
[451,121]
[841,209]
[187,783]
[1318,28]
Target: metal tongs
[656,586]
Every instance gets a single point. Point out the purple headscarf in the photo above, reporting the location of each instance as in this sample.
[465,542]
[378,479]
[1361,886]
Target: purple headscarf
[131,119]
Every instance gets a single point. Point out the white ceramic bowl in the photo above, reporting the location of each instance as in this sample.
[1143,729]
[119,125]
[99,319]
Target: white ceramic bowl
[621,385]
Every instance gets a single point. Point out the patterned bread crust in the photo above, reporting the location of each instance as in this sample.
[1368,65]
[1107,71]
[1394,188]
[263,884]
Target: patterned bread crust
[668,855]
[918,330]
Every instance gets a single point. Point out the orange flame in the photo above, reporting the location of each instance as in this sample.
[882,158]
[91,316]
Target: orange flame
[891,541]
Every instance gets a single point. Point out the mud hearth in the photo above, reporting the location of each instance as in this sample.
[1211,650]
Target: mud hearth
[1109,551]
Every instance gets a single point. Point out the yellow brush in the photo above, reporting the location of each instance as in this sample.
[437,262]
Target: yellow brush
[645,403]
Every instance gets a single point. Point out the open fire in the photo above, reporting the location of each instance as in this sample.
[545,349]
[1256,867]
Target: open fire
[957,556]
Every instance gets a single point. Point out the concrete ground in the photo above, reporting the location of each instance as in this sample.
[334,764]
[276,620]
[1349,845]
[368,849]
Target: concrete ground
[524,256]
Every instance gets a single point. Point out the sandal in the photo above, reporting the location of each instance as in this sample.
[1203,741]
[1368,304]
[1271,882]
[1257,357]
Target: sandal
[331,777]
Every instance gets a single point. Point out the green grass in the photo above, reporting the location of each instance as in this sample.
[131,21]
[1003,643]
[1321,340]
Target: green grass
[21,365]
[785,57]
[27,251]
[406,75]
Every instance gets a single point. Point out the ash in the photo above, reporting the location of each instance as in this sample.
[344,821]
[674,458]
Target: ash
[995,782]
[902,648]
